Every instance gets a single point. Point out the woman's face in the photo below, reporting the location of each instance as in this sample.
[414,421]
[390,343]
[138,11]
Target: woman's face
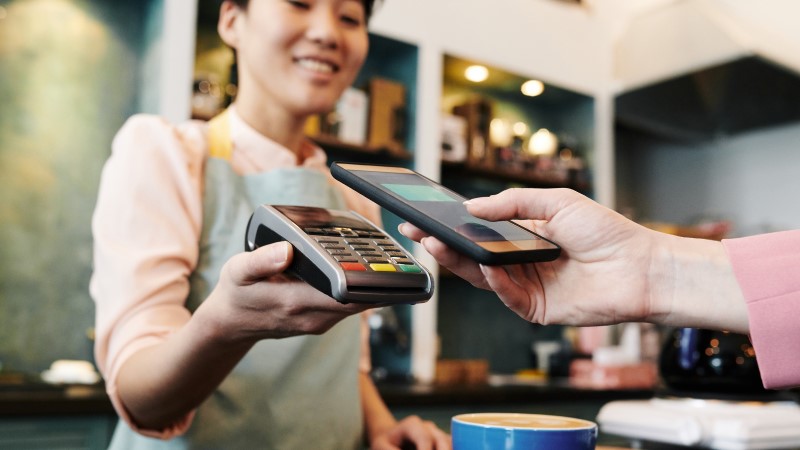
[300,54]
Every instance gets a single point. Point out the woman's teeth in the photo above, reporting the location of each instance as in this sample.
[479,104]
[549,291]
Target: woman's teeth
[316,66]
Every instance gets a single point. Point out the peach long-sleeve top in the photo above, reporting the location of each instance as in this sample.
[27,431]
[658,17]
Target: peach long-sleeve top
[147,226]
[767,267]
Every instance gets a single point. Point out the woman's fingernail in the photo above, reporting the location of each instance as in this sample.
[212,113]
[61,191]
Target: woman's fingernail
[281,254]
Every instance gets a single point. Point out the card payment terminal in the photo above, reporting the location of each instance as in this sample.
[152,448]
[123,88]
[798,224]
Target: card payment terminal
[342,254]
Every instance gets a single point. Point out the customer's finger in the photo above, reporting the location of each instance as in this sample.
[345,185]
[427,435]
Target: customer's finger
[454,261]
[411,232]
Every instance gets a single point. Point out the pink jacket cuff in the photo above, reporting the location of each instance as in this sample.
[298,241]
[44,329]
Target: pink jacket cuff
[767,268]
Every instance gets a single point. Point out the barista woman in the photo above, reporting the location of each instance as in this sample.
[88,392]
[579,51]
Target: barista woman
[201,345]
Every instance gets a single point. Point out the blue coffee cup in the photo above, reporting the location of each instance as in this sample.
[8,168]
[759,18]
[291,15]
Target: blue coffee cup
[515,431]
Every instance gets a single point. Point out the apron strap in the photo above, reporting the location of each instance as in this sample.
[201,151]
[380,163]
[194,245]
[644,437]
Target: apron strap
[219,136]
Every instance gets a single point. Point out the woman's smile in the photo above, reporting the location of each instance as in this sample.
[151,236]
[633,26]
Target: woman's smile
[317,65]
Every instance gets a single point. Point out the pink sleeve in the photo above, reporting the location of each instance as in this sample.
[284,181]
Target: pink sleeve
[146,227]
[767,268]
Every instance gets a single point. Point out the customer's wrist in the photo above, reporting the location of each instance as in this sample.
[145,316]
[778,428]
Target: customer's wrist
[694,286]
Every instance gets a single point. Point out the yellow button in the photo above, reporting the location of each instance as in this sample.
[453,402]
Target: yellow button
[383,267]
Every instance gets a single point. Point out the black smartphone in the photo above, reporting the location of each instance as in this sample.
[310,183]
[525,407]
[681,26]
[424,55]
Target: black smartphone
[440,212]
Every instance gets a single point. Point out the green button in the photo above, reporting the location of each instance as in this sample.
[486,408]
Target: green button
[410,268]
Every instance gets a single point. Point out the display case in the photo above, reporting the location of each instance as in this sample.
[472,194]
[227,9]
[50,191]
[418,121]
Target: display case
[515,130]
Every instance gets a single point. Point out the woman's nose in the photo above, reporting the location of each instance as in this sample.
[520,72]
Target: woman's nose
[323,28]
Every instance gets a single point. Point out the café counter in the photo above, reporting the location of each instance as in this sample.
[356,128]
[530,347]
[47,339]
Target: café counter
[34,414]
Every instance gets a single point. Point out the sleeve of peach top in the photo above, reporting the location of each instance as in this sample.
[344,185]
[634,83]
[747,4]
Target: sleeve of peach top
[146,226]
[767,268]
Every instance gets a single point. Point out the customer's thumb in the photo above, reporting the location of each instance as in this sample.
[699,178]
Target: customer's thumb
[521,203]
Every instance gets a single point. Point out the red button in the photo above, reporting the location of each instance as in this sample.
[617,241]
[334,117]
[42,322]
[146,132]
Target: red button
[353,266]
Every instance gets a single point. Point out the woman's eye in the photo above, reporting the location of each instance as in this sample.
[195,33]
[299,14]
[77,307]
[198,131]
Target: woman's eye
[299,4]
[351,20]
[352,13]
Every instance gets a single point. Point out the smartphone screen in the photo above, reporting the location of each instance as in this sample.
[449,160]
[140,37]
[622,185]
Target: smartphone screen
[434,203]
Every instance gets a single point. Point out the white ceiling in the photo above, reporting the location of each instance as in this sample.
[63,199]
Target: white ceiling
[658,39]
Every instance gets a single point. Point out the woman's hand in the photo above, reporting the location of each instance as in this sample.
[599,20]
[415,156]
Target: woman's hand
[422,434]
[600,278]
[255,300]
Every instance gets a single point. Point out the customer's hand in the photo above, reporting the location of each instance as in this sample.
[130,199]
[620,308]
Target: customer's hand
[255,300]
[600,278]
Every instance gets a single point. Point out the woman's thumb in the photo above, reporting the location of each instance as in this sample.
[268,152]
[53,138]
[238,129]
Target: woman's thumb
[262,262]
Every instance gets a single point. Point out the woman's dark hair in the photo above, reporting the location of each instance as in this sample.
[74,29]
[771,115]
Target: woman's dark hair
[368,4]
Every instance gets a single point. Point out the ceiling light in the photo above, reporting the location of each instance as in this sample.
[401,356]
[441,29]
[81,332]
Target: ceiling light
[476,73]
[532,88]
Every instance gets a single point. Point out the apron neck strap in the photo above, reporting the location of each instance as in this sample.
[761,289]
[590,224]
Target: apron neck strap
[220,144]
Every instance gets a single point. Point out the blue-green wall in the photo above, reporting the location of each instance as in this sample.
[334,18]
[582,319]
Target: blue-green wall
[69,77]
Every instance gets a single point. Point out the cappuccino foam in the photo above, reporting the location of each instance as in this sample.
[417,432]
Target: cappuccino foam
[515,420]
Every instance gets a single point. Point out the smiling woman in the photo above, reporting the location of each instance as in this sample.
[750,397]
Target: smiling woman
[197,339]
